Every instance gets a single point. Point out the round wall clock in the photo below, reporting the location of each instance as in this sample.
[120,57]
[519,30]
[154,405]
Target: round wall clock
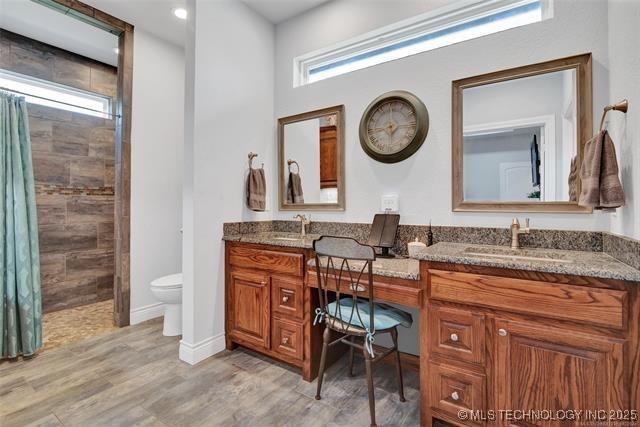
[394,126]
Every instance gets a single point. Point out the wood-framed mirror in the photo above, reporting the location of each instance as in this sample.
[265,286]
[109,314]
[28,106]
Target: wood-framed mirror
[311,160]
[518,137]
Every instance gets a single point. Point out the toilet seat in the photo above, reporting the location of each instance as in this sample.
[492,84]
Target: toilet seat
[172,281]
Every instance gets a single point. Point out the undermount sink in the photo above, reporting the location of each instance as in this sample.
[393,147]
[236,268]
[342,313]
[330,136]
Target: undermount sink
[518,254]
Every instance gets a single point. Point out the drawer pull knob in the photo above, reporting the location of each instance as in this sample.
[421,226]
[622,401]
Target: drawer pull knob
[285,340]
[455,395]
[285,299]
[502,332]
[454,337]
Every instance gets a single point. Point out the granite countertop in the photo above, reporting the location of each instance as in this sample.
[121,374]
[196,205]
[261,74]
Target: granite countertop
[401,268]
[289,240]
[590,264]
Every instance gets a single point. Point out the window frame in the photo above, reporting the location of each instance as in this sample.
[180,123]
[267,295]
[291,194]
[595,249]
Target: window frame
[50,101]
[460,12]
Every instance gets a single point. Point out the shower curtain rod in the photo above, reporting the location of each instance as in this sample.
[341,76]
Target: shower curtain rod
[6,89]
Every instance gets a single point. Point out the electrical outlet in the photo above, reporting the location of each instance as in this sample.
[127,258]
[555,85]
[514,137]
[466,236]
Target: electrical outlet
[389,203]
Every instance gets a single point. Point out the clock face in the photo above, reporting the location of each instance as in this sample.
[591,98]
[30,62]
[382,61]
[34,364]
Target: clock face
[394,126]
[391,126]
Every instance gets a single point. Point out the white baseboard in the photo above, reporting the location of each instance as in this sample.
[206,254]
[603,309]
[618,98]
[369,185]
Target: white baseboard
[147,312]
[194,353]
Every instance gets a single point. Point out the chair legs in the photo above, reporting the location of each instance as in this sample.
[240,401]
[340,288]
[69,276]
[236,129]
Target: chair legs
[351,349]
[394,337]
[326,336]
[372,400]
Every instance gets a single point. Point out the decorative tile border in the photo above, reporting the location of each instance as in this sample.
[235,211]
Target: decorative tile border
[50,189]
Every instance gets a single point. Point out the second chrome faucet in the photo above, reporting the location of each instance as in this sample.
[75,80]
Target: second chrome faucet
[516,231]
[303,222]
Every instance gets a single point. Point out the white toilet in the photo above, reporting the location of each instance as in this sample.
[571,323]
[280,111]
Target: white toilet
[168,290]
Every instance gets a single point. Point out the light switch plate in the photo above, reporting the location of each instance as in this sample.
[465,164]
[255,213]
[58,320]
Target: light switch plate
[389,203]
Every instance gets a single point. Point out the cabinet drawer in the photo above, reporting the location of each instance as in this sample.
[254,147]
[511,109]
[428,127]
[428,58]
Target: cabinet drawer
[602,307]
[453,390]
[286,296]
[276,262]
[287,338]
[457,334]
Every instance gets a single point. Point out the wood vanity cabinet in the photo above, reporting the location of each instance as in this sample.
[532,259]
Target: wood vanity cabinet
[265,295]
[494,339]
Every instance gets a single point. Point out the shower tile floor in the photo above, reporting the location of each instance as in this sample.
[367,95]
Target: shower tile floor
[76,324]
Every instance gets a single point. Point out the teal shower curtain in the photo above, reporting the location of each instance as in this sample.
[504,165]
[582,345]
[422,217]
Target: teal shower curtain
[20,305]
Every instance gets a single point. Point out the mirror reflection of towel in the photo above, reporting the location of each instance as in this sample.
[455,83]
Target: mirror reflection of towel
[256,189]
[294,189]
[535,162]
[573,180]
[601,186]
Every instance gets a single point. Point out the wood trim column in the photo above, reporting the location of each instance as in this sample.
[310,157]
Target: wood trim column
[121,288]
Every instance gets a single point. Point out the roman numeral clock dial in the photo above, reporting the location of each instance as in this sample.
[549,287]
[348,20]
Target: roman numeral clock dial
[394,126]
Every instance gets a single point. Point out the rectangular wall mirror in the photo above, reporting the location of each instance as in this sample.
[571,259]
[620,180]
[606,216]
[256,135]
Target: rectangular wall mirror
[311,160]
[518,137]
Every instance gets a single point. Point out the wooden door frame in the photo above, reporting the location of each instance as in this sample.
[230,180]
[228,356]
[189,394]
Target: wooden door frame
[124,31]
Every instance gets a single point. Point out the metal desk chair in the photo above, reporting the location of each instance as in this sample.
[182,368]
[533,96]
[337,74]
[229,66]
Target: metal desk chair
[350,315]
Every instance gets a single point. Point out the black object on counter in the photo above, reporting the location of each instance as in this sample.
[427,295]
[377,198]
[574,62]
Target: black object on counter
[383,233]
[429,235]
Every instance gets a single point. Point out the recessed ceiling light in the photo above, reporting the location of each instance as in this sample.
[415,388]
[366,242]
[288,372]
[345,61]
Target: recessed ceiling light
[180,12]
[116,50]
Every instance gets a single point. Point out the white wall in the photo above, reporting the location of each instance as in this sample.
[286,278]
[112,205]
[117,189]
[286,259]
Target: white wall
[157,137]
[228,112]
[303,146]
[424,180]
[624,72]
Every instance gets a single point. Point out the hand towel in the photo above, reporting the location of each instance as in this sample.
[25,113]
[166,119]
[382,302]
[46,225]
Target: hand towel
[294,189]
[601,186]
[256,189]
[573,180]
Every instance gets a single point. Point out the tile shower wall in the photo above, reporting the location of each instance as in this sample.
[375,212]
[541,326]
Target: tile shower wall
[73,156]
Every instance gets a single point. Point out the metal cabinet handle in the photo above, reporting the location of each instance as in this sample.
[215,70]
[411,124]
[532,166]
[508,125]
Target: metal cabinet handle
[502,332]
[285,340]
[454,337]
[455,395]
[285,299]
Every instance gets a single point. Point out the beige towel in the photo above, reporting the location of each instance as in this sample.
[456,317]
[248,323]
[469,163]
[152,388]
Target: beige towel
[601,187]
[294,189]
[573,180]
[256,189]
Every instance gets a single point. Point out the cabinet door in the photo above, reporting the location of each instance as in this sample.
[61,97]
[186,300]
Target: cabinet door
[542,368]
[250,313]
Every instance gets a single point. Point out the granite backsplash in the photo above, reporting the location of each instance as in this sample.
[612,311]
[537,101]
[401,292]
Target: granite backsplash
[554,239]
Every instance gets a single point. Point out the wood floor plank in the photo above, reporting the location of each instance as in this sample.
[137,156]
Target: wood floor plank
[132,376]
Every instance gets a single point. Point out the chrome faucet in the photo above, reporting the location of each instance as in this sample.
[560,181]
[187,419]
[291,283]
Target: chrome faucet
[516,231]
[303,221]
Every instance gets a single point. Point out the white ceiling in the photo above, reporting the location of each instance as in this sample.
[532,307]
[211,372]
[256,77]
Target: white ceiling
[278,11]
[153,16]
[48,26]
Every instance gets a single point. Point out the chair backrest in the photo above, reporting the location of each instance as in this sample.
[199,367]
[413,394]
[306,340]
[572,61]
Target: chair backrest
[344,266]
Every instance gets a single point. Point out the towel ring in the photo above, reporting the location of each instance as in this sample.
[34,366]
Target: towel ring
[621,106]
[291,162]
[251,156]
